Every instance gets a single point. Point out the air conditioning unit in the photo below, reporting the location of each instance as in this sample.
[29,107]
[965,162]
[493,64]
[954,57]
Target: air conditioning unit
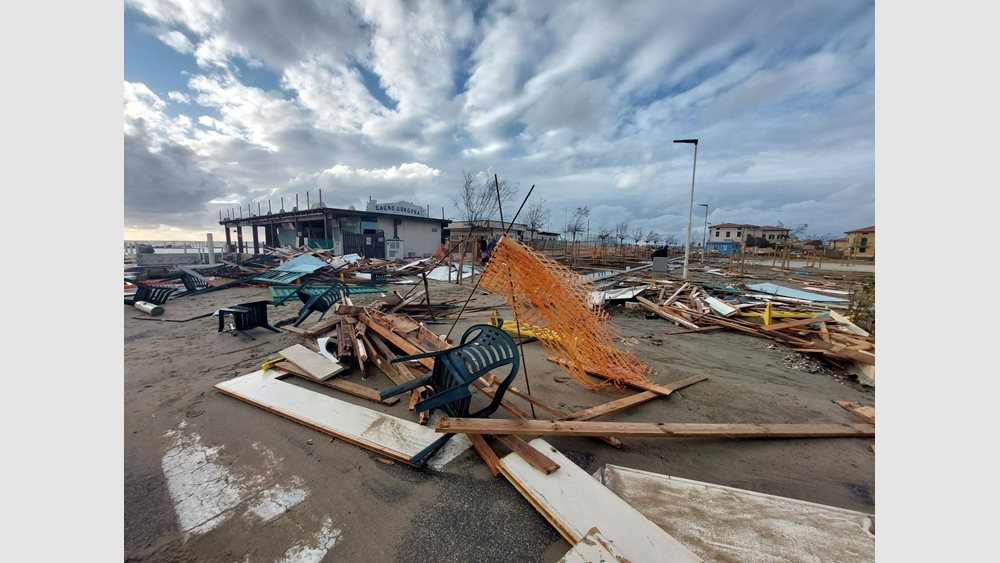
[393,249]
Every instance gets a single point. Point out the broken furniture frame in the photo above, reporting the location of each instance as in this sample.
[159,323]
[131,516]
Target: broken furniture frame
[245,317]
[321,301]
[150,294]
[483,348]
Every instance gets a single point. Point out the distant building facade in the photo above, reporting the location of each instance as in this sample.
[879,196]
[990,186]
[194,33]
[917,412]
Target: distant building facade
[739,232]
[861,242]
[396,230]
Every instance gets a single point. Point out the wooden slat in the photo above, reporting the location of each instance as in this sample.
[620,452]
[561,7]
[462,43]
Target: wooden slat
[535,458]
[652,430]
[312,363]
[348,387]
[840,350]
[655,388]
[486,453]
[864,412]
[658,311]
[796,322]
[559,413]
[631,401]
[397,340]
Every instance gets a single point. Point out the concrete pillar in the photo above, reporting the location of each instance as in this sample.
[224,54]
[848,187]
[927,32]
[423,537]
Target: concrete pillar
[256,242]
[229,240]
[239,238]
[211,247]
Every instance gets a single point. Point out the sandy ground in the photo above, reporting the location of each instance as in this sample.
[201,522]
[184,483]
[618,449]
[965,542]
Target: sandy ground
[210,478]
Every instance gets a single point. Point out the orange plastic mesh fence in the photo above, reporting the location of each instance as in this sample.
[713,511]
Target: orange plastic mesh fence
[549,295]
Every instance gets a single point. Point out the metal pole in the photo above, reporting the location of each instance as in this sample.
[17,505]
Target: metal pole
[704,234]
[687,243]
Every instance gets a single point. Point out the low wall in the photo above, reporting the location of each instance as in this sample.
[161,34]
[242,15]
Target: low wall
[171,259]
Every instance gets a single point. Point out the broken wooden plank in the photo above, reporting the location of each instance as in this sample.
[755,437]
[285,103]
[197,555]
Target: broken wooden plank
[312,363]
[387,435]
[676,294]
[535,458]
[840,350]
[397,340]
[631,401]
[848,324]
[796,323]
[348,387]
[486,453]
[593,548]
[653,430]
[658,311]
[574,503]
[864,412]
[654,387]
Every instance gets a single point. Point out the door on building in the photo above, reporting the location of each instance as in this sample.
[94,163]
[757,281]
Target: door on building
[369,245]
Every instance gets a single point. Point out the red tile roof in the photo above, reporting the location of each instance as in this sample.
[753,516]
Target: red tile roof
[864,230]
[767,228]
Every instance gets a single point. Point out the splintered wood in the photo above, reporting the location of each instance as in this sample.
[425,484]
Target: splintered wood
[549,295]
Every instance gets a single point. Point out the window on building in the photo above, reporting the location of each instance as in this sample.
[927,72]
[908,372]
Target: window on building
[864,241]
[770,237]
[434,229]
[739,234]
[716,233]
[729,234]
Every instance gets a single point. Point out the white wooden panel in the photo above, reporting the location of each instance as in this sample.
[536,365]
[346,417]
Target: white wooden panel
[593,548]
[726,524]
[319,367]
[392,436]
[574,502]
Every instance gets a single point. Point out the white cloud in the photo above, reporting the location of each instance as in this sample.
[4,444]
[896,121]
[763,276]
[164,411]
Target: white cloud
[178,97]
[177,40]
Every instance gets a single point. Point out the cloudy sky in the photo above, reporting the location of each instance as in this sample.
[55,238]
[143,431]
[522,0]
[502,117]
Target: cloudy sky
[231,103]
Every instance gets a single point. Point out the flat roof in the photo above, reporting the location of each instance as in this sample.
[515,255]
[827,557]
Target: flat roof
[321,212]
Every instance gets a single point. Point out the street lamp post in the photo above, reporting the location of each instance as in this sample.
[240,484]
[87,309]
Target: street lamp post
[704,234]
[687,240]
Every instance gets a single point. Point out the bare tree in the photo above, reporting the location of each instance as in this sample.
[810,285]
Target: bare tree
[604,233]
[577,225]
[652,237]
[670,240]
[477,201]
[636,236]
[621,233]
[537,218]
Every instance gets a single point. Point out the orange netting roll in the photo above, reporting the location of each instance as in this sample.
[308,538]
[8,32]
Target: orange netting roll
[544,293]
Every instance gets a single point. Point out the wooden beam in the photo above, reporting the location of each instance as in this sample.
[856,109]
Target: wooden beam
[655,388]
[796,322]
[403,344]
[659,312]
[631,401]
[485,452]
[348,387]
[864,412]
[652,430]
[535,458]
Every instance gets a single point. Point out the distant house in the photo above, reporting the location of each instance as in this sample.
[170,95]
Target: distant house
[837,244]
[861,242]
[738,232]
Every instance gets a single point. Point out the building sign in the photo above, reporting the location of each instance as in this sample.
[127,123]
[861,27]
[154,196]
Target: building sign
[398,208]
